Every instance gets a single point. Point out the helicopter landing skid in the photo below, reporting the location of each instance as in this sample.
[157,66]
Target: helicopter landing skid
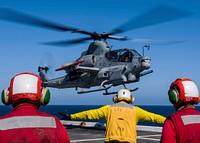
[103,87]
[109,93]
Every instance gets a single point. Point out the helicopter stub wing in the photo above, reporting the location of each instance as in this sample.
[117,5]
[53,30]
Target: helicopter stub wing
[89,69]
[67,66]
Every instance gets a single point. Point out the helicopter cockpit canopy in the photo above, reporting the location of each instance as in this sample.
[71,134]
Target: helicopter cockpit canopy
[122,55]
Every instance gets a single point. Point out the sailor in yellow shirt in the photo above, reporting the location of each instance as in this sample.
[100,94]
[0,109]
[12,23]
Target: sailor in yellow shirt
[121,118]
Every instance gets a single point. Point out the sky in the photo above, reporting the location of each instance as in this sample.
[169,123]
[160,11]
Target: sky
[21,49]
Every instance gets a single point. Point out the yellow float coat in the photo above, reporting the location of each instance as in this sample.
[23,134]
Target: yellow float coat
[121,120]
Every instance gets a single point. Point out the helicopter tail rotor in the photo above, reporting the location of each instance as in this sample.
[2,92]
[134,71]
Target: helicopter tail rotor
[42,73]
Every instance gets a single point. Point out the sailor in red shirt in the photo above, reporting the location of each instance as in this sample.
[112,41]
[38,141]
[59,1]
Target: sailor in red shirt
[25,124]
[184,125]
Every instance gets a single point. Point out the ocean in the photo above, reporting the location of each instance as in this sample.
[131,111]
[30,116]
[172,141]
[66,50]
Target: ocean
[69,109]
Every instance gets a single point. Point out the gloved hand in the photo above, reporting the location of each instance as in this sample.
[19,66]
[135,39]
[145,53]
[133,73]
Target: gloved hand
[65,116]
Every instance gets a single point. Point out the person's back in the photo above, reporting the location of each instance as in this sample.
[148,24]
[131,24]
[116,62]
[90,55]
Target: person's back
[187,124]
[25,124]
[121,123]
[184,125]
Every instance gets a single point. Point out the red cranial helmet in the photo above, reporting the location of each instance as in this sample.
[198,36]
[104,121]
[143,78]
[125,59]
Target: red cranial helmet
[25,85]
[185,90]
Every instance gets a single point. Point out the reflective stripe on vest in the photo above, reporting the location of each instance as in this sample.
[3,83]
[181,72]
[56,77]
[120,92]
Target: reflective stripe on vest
[122,105]
[190,119]
[27,122]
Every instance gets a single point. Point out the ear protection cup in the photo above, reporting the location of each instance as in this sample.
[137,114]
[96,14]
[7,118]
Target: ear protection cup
[4,97]
[44,100]
[132,99]
[115,99]
[173,96]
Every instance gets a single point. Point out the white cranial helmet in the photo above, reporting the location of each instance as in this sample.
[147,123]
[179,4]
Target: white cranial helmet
[124,93]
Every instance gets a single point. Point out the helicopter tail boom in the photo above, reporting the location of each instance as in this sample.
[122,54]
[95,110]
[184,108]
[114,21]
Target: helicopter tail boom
[42,71]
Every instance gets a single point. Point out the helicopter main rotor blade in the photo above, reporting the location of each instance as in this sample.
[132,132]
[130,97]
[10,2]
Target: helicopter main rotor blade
[20,17]
[12,15]
[159,14]
[66,42]
[117,38]
[156,41]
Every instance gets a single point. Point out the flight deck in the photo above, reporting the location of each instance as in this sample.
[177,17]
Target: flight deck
[89,132]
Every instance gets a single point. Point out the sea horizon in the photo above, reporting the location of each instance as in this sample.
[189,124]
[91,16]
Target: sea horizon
[164,110]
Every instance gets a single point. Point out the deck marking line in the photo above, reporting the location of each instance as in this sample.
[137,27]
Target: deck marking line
[151,139]
[83,140]
[149,136]
[146,137]
[139,137]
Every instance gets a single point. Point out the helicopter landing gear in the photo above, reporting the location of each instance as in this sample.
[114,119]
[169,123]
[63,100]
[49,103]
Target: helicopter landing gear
[103,87]
[109,93]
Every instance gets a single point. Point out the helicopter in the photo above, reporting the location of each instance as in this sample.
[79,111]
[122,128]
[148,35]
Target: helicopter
[99,66]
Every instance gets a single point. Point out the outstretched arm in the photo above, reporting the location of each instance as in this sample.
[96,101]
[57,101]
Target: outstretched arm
[94,114]
[143,115]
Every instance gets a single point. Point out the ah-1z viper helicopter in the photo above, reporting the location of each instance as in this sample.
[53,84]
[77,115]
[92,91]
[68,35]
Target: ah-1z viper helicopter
[99,65]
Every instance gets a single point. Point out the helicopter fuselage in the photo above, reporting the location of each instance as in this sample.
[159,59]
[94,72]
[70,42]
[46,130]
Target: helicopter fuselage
[114,67]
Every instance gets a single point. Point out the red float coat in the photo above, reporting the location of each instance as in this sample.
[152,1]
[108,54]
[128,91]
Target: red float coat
[25,124]
[182,127]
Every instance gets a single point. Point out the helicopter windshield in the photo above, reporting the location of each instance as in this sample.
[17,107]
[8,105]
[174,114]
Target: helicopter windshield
[122,55]
[135,53]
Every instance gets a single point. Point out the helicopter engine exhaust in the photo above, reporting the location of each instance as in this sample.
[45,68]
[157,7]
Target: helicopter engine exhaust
[89,60]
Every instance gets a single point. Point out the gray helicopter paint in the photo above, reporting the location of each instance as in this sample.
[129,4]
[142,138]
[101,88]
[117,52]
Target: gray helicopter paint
[99,69]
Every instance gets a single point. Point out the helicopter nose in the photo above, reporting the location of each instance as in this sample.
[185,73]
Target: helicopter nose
[146,62]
